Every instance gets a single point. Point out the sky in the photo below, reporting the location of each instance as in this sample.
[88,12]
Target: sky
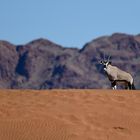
[70,23]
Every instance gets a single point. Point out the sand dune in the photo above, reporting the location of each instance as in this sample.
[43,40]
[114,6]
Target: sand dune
[69,115]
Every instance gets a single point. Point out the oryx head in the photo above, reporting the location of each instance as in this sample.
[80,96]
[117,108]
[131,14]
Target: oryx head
[105,63]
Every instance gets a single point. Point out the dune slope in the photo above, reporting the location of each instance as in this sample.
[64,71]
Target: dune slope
[69,115]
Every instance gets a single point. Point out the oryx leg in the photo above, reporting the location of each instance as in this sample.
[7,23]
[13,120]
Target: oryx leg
[126,85]
[130,85]
[113,85]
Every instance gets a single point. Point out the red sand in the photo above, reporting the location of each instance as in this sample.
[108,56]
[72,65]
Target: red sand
[69,115]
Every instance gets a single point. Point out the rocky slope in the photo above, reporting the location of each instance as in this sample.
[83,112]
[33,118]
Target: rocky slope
[42,64]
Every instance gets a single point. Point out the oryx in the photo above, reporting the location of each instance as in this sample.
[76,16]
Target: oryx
[116,75]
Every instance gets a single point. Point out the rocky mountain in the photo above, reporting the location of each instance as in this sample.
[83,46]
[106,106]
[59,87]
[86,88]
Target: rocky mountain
[42,64]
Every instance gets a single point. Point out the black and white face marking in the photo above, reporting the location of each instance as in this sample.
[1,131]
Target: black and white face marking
[105,64]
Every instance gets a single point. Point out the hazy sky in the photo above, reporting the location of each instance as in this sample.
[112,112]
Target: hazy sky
[69,23]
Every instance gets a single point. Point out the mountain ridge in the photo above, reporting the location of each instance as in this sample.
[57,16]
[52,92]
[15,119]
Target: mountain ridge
[43,64]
